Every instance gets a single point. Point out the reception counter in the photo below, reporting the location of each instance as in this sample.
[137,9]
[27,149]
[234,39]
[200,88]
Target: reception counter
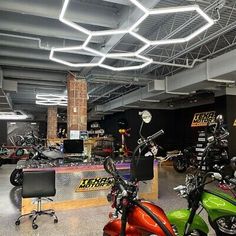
[88,186]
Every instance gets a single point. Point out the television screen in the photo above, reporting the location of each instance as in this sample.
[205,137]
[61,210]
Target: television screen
[73,146]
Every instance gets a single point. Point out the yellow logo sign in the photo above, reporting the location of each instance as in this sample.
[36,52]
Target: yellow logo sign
[203,118]
[234,123]
[94,184]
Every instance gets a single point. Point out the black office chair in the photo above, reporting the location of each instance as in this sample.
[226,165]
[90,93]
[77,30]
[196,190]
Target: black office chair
[38,184]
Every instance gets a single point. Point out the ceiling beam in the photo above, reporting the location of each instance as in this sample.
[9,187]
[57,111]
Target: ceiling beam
[80,12]
[34,25]
[33,82]
[34,75]
[36,64]
[121,2]
[37,54]
[17,40]
[39,89]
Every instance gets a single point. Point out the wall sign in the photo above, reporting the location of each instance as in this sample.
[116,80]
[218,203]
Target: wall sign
[203,118]
[94,184]
[234,123]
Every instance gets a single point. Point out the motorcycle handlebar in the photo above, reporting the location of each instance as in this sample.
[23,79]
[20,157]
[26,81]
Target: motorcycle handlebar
[223,136]
[158,133]
[150,138]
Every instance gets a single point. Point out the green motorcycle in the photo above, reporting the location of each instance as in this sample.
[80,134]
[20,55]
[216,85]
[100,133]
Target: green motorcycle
[220,207]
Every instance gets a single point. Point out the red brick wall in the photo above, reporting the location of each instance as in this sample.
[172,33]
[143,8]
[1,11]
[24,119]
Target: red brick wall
[52,122]
[77,104]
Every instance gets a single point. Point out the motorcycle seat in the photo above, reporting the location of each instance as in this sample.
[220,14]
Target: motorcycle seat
[174,152]
[52,154]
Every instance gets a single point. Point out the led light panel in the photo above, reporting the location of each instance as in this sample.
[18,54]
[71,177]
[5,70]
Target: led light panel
[132,56]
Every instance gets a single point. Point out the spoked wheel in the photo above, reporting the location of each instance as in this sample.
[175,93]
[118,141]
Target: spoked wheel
[16,177]
[179,164]
[225,226]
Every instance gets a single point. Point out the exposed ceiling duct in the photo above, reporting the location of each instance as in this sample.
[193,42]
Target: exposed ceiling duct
[204,76]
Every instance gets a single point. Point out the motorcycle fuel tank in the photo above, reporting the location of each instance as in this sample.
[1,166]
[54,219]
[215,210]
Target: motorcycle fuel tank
[218,204]
[142,221]
[139,223]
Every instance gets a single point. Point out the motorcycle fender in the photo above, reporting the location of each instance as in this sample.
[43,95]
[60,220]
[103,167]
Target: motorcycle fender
[180,217]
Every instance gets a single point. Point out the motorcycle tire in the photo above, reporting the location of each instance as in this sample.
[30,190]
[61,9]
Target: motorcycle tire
[16,177]
[179,164]
[219,230]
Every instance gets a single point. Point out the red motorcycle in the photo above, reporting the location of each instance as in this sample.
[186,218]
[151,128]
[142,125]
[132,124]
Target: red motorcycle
[138,217]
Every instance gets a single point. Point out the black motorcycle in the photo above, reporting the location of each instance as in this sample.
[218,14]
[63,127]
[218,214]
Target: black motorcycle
[187,159]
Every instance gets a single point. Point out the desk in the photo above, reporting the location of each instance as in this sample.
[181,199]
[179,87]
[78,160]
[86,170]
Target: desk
[72,192]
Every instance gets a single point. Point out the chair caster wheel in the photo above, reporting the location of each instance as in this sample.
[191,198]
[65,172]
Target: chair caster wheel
[17,222]
[34,226]
[55,221]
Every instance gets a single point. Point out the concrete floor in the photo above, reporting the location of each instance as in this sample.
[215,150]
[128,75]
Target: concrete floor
[81,222]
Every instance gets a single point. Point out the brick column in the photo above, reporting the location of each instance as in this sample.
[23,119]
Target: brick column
[77,104]
[52,122]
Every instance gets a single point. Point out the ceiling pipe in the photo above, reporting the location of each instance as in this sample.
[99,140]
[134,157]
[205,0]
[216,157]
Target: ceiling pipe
[26,37]
[179,65]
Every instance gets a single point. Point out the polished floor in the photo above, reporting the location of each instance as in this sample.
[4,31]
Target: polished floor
[81,222]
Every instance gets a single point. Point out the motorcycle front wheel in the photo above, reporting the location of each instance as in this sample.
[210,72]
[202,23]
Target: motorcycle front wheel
[179,164]
[16,177]
[224,226]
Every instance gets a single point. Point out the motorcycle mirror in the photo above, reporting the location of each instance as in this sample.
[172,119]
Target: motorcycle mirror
[217,176]
[210,139]
[109,166]
[146,116]
[233,163]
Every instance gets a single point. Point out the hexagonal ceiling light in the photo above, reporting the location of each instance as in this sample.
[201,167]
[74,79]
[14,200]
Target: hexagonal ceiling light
[130,30]
[51,99]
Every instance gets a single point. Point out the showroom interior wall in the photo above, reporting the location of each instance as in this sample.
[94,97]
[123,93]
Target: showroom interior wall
[3,133]
[175,123]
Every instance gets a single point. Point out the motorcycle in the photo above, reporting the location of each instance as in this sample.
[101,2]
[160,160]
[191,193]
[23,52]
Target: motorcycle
[44,157]
[138,217]
[39,156]
[28,140]
[221,208]
[185,159]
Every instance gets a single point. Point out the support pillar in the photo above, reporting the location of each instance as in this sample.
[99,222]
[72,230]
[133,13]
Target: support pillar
[52,122]
[231,119]
[77,104]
